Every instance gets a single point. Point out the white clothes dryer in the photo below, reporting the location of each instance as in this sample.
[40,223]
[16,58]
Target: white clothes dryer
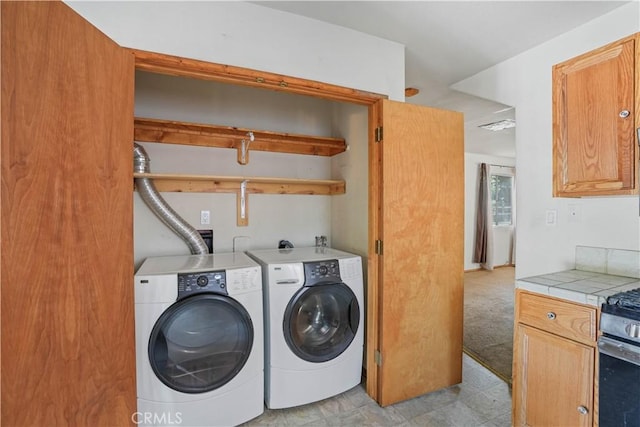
[313,323]
[199,340]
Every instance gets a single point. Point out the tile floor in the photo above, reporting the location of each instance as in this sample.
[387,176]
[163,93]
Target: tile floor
[482,399]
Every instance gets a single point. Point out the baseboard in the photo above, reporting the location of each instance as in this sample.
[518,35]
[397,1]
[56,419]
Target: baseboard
[505,265]
[494,267]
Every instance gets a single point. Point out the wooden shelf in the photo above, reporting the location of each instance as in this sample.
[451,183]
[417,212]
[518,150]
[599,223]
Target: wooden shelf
[242,186]
[231,184]
[173,132]
[161,63]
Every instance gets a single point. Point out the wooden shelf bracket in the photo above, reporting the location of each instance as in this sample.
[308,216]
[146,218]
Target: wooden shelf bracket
[243,149]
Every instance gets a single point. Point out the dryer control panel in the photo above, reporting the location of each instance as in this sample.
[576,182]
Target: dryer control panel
[321,272]
[204,281]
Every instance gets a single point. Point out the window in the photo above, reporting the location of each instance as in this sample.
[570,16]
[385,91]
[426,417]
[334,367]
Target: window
[501,195]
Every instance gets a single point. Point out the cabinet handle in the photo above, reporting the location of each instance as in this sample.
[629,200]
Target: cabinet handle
[551,315]
[583,410]
[623,114]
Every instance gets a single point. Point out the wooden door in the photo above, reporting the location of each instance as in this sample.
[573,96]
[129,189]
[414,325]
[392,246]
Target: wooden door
[415,311]
[593,122]
[553,380]
[68,353]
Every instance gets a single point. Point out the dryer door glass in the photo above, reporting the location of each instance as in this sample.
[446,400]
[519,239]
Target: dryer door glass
[200,343]
[321,321]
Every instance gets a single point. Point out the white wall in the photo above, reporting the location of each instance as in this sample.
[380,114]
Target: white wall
[349,228]
[271,217]
[524,81]
[251,36]
[471,175]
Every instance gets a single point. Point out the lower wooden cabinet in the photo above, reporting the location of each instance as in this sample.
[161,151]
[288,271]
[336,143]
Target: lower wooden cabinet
[553,375]
[554,385]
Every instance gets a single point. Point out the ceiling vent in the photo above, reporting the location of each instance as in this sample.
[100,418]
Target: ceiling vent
[499,125]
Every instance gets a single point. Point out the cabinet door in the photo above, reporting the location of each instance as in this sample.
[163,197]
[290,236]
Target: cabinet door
[420,223]
[552,380]
[67,254]
[593,122]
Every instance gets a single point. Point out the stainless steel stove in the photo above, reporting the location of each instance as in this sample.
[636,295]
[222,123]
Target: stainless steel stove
[619,348]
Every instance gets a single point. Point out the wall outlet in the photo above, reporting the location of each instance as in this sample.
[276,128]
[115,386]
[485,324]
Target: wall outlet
[205,217]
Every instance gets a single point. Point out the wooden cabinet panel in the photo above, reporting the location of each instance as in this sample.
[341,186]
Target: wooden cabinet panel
[68,353]
[422,214]
[594,109]
[553,380]
[569,320]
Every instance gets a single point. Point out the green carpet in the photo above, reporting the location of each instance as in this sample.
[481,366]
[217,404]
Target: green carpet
[488,319]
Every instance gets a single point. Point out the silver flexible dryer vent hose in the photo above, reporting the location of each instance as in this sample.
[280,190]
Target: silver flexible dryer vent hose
[159,206]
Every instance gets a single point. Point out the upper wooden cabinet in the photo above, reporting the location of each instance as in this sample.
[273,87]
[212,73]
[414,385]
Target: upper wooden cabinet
[595,111]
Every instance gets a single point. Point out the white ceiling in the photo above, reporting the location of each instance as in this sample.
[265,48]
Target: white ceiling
[448,41]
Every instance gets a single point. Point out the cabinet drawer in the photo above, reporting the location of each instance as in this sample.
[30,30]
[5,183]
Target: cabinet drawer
[574,321]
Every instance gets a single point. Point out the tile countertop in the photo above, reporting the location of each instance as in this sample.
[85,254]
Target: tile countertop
[580,286]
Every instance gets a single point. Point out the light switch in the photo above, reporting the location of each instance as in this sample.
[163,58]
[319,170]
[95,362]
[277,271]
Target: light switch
[551,217]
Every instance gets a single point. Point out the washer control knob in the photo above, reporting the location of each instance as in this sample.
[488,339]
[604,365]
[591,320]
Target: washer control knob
[202,281]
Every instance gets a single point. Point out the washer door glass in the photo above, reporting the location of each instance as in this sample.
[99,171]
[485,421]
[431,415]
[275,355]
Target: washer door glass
[200,343]
[321,321]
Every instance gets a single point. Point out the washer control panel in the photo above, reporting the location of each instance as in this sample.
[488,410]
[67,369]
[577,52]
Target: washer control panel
[322,272]
[203,281]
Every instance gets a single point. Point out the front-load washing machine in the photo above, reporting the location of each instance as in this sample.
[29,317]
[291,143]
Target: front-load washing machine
[199,340]
[313,323]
